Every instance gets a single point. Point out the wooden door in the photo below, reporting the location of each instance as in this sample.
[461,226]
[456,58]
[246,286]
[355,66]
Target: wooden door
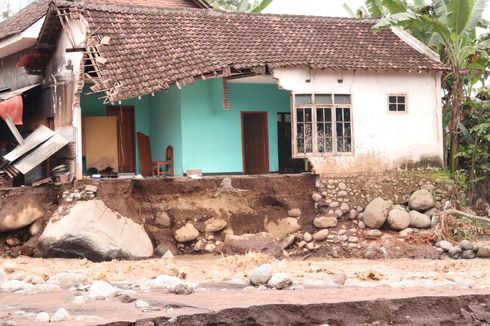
[255,145]
[125,136]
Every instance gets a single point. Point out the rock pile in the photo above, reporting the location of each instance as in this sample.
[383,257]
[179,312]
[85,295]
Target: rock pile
[464,250]
[264,275]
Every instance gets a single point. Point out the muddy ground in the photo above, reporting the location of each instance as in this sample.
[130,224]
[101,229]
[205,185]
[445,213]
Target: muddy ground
[380,292]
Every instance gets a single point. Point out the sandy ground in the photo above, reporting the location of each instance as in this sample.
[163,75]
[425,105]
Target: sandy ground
[222,284]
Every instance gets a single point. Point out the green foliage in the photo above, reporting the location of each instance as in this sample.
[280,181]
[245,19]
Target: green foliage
[241,5]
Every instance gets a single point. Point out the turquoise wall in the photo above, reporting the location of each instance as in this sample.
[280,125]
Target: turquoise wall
[211,136]
[92,106]
[166,126]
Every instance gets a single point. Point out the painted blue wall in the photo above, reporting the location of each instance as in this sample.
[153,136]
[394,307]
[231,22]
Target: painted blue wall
[92,106]
[166,126]
[211,136]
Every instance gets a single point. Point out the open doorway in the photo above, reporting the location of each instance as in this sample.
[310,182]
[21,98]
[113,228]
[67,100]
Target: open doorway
[255,144]
[286,163]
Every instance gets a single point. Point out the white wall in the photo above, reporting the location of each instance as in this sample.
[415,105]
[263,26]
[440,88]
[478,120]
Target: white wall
[382,140]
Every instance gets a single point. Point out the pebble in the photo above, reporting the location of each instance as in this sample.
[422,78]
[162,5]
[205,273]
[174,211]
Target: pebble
[353,239]
[454,252]
[320,235]
[446,245]
[12,286]
[261,274]
[468,254]
[373,234]
[280,281]
[60,315]
[307,237]
[142,305]
[42,317]
[101,288]
[466,245]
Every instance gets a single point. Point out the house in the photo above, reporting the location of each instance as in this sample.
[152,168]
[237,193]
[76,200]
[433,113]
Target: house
[237,92]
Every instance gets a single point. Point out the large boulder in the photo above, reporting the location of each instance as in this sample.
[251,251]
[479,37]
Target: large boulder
[398,220]
[419,220]
[376,212]
[262,242]
[17,215]
[421,200]
[92,230]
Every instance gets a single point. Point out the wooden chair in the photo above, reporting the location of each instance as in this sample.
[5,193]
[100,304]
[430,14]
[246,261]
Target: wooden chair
[149,167]
[162,168]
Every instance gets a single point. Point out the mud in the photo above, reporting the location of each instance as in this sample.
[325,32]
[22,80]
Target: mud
[432,310]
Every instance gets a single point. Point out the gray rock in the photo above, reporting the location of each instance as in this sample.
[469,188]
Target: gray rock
[361,225]
[483,251]
[60,315]
[454,252]
[42,317]
[398,220]
[421,200]
[353,214]
[376,212]
[21,214]
[101,289]
[280,281]
[295,212]
[324,222]
[446,245]
[142,305]
[215,225]
[373,234]
[419,220]
[316,197]
[320,235]
[261,274]
[92,230]
[466,245]
[186,233]
[468,254]
[12,286]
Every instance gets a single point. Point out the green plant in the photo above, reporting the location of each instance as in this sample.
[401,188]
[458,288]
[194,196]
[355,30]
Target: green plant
[241,5]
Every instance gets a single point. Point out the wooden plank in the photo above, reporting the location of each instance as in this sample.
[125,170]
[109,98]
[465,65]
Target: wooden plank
[100,142]
[144,154]
[14,131]
[36,138]
[41,153]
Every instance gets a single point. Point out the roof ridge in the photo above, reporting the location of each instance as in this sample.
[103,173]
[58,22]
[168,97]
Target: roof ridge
[144,9]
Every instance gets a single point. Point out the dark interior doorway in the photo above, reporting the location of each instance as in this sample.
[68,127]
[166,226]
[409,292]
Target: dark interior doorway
[255,144]
[286,163]
[125,136]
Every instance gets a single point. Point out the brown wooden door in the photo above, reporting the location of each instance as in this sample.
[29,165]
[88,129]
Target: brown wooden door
[255,143]
[125,136]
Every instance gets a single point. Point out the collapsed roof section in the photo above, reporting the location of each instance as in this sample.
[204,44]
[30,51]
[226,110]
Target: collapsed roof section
[137,50]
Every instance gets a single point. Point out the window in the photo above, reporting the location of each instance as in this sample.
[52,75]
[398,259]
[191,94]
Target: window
[397,103]
[322,124]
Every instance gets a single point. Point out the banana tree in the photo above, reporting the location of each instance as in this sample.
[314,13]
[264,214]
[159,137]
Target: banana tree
[451,25]
[241,5]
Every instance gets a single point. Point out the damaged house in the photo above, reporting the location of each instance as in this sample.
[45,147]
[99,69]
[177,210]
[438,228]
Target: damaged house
[165,90]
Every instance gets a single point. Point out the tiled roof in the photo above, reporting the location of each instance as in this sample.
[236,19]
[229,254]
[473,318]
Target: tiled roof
[24,19]
[150,49]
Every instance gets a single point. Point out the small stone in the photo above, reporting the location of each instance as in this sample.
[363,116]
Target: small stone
[468,254]
[419,220]
[454,252]
[101,288]
[339,213]
[446,245]
[353,239]
[316,197]
[226,183]
[301,244]
[341,232]
[342,193]
[295,212]
[12,241]
[307,236]
[36,228]
[466,245]
[186,233]
[12,286]
[324,222]
[210,247]
[483,251]
[361,225]
[215,225]
[199,245]
[280,281]
[42,317]
[342,186]
[353,214]
[163,219]
[168,255]
[334,204]
[373,234]
[320,235]
[261,274]
[142,305]
[60,315]
[310,246]
[288,241]
[405,233]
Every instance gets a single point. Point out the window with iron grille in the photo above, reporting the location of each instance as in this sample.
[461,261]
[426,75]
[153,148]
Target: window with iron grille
[322,124]
[397,103]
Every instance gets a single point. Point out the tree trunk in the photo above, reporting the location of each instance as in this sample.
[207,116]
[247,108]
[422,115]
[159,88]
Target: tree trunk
[455,119]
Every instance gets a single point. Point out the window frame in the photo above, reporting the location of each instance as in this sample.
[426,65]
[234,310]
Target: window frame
[405,95]
[314,106]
